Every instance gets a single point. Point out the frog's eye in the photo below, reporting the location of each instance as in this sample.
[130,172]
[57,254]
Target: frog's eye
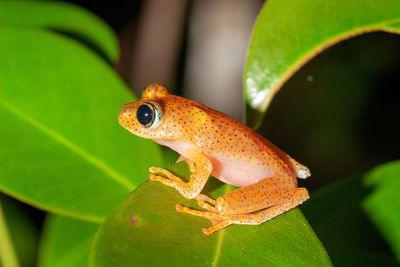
[148,115]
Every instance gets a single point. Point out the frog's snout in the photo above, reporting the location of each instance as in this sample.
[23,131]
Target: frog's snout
[126,115]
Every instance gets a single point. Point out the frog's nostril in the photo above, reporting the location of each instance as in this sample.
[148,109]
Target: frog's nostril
[126,113]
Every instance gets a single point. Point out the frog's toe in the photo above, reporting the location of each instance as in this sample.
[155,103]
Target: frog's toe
[152,177]
[179,208]
[217,225]
[156,177]
[214,217]
[206,206]
[162,171]
[205,198]
[176,183]
[207,231]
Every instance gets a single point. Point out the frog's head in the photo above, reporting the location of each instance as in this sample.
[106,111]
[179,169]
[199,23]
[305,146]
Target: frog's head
[145,117]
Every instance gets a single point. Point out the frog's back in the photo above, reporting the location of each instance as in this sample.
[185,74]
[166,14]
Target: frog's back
[239,155]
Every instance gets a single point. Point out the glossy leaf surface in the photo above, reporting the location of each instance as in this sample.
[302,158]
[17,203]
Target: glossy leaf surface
[146,230]
[62,147]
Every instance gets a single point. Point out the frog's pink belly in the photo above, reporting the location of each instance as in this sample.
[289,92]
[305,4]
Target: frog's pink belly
[230,171]
[238,173]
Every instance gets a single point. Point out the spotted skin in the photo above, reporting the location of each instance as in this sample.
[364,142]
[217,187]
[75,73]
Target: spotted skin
[214,143]
[289,198]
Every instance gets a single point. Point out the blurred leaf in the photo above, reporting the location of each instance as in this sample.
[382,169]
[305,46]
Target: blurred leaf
[358,219]
[24,233]
[62,148]
[383,204]
[66,242]
[161,236]
[8,256]
[340,119]
[61,17]
[289,33]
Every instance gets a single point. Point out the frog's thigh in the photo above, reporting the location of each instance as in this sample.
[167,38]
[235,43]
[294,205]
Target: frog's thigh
[254,197]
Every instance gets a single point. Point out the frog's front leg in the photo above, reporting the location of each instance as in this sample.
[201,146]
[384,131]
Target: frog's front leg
[202,169]
[236,207]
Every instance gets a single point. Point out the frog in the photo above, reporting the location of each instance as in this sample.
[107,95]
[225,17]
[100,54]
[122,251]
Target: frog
[215,144]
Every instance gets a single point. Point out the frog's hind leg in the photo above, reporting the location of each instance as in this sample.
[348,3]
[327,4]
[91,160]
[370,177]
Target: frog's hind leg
[255,196]
[292,197]
[206,202]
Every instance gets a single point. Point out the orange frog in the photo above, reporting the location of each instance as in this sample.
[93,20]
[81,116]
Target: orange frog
[214,143]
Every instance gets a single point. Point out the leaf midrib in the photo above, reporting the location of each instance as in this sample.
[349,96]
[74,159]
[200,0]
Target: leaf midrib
[220,238]
[70,145]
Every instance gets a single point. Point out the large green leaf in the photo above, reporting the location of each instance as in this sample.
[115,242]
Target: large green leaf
[61,17]
[62,148]
[146,230]
[358,219]
[289,33]
[66,242]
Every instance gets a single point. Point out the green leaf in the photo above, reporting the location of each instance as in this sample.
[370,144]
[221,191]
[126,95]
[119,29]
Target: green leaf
[358,219]
[146,230]
[61,17]
[8,256]
[289,33]
[66,242]
[62,148]
[23,231]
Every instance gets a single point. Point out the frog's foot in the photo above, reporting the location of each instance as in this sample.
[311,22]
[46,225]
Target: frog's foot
[168,174]
[221,221]
[214,217]
[206,202]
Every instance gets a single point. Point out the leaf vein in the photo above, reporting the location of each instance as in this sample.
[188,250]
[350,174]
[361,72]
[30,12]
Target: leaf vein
[70,145]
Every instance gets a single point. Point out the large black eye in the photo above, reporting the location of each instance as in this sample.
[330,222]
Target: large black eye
[148,115]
